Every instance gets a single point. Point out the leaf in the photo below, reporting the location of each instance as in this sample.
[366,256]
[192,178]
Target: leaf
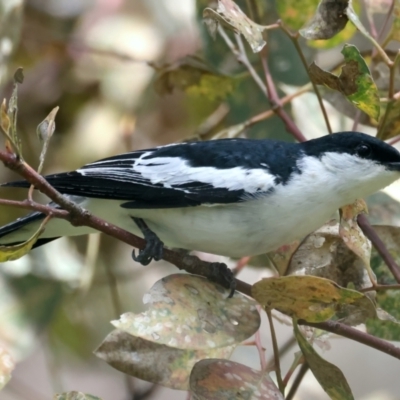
[154,362]
[231,16]
[45,131]
[214,379]
[329,19]
[329,376]
[10,253]
[352,234]
[75,396]
[355,81]
[192,75]
[377,6]
[6,366]
[305,297]
[323,253]
[190,312]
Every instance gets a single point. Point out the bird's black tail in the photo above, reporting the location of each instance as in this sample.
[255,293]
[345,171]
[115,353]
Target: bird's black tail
[20,223]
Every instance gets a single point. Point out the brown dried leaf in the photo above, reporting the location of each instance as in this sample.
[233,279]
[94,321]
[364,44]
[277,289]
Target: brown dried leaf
[215,379]
[153,362]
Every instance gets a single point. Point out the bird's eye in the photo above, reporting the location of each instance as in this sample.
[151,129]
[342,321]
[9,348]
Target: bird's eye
[363,150]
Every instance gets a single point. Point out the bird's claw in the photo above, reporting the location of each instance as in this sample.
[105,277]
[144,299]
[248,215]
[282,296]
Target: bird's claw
[221,274]
[153,251]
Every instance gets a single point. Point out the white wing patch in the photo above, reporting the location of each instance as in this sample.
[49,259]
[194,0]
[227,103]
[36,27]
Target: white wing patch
[174,171]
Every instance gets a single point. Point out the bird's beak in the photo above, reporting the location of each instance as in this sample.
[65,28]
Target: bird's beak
[394,166]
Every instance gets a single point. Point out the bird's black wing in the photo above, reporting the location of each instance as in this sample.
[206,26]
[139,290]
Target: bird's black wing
[180,175]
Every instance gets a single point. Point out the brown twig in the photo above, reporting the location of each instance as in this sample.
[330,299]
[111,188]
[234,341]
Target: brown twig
[275,101]
[380,247]
[354,334]
[297,381]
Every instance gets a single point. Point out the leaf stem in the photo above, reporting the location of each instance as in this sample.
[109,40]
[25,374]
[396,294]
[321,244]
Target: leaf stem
[297,381]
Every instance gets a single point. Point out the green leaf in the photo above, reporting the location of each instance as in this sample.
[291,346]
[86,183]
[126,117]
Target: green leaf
[154,362]
[223,379]
[355,81]
[190,312]
[310,298]
[329,376]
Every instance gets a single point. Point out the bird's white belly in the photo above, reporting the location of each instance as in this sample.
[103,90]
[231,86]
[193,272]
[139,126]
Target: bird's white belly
[233,230]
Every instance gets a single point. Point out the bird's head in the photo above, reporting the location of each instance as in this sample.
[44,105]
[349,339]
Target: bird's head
[356,163]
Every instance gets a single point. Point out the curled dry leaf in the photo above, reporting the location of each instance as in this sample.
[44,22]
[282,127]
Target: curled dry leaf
[232,17]
[329,19]
[214,379]
[154,362]
[329,376]
[309,298]
[190,312]
[352,234]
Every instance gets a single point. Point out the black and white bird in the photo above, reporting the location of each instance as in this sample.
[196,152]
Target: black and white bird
[232,197]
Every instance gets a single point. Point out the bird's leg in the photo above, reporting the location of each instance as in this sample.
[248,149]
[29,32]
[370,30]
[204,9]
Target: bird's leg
[154,246]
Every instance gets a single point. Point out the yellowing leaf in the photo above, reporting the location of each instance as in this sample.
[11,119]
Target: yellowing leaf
[329,376]
[355,81]
[231,16]
[304,297]
[10,253]
[294,16]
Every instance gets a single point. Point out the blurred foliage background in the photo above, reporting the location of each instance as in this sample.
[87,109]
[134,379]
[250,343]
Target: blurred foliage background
[111,67]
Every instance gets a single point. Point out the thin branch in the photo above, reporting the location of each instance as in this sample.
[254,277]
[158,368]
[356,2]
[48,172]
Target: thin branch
[380,247]
[356,335]
[276,103]
[275,348]
[297,381]
[379,288]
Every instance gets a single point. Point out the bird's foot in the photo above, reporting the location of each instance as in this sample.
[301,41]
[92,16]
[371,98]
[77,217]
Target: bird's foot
[154,246]
[221,274]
